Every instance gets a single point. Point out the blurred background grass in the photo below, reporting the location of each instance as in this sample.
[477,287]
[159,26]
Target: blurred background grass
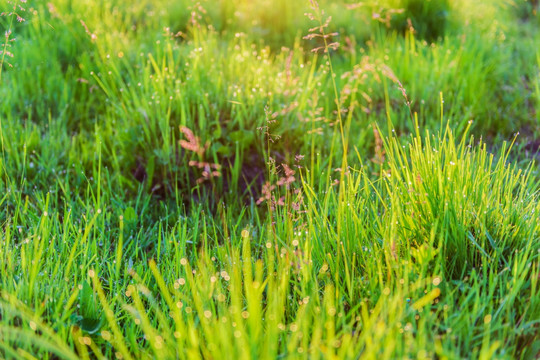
[129,73]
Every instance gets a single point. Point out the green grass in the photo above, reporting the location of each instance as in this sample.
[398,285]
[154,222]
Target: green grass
[192,181]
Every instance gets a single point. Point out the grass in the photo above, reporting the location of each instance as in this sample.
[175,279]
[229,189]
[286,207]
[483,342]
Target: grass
[191,180]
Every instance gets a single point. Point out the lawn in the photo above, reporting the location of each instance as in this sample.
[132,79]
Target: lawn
[270,179]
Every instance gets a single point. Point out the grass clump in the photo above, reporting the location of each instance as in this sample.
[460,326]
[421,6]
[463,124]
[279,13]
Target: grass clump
[411,264]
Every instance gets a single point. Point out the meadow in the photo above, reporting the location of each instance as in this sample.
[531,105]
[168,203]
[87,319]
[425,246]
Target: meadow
[256,179]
